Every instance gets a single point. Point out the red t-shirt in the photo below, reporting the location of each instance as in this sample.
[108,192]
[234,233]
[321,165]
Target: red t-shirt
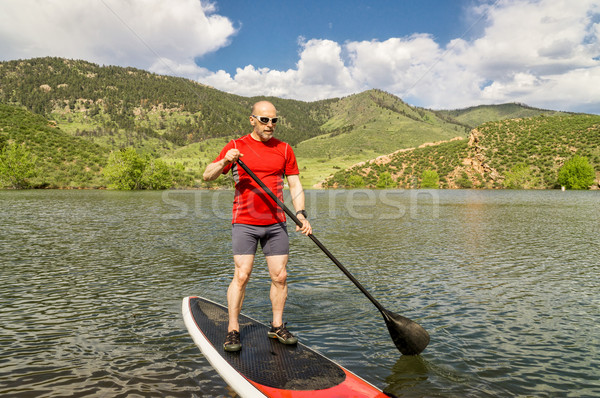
[270,161]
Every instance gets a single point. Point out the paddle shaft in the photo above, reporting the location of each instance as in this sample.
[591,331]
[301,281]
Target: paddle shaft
[313,238]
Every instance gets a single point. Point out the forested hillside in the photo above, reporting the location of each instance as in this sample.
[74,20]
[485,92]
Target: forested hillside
[184,122]
[97,101]
[75,114]
[60,160]
[477,115]
[516,153]
[374,121]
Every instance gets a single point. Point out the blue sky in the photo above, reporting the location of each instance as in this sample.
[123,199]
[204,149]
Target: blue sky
[439,54]
[269,30]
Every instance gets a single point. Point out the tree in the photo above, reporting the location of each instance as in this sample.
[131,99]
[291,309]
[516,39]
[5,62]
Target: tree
[126,170]
[520,177]
[576,173]
[17,166]
[157,175]
[430,179]
[464,181]
[355,181]
[385,180]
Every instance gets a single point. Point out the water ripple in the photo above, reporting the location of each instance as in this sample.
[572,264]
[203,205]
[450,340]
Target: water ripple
[506,283]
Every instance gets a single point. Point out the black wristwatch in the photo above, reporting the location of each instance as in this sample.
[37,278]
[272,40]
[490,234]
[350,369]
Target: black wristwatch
[303,212]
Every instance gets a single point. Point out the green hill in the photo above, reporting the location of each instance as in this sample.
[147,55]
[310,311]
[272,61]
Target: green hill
[477,115]
[185,123]
[539,145]
[62,160]
[374,122]
[118,107]
[126,106]
[367,125]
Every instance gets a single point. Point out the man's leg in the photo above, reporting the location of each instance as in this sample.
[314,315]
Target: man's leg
[277,271]
[237,288]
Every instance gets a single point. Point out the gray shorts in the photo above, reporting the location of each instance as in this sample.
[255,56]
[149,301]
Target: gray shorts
[273,239]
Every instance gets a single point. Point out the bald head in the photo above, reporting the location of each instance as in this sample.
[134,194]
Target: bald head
[263,107]
[263,131]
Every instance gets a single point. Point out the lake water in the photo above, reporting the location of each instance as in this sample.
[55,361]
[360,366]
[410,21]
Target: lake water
[506,282]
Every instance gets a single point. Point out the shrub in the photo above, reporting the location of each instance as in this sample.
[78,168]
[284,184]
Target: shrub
[430,179]
[385,180]
[126,170]
[157,175]
[355,181]
[17,166]
[464,181]
[520,177]
[576,173]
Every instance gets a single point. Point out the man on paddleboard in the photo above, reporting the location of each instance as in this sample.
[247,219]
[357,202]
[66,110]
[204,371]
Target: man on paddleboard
[257,218]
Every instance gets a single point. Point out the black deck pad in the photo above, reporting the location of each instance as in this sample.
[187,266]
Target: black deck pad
[264,360]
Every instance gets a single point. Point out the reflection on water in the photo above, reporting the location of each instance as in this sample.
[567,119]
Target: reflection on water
[506,283]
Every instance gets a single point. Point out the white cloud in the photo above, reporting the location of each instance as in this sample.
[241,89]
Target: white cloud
[393,63]
[320,63]
[320,73]
[533,52]
[128,33]
[541,52]
[542,36]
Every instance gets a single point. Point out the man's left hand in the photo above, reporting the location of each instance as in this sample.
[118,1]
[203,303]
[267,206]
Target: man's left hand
[306,228]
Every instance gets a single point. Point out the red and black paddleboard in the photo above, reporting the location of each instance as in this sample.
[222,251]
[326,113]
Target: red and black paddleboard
[264,366]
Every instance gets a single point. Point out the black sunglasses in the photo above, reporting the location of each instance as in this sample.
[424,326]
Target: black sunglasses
[266,120]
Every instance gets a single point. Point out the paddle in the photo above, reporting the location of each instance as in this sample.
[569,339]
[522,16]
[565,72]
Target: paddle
[409,337]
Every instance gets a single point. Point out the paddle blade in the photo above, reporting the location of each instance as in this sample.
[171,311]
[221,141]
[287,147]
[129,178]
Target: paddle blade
[409,337]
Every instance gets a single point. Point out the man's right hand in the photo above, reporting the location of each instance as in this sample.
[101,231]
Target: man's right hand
[214,170]
[232,155]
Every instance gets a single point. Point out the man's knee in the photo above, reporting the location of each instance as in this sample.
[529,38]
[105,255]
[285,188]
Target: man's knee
[277,269]
[279,277]
[243,269]
[242,277]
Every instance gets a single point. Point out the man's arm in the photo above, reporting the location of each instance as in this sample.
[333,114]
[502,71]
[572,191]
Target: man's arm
[298,201]
[214,170]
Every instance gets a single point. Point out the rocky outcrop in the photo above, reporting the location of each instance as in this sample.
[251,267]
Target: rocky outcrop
[478,161]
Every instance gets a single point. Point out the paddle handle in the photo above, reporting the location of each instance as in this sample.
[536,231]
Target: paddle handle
[349,275]
[313,238]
